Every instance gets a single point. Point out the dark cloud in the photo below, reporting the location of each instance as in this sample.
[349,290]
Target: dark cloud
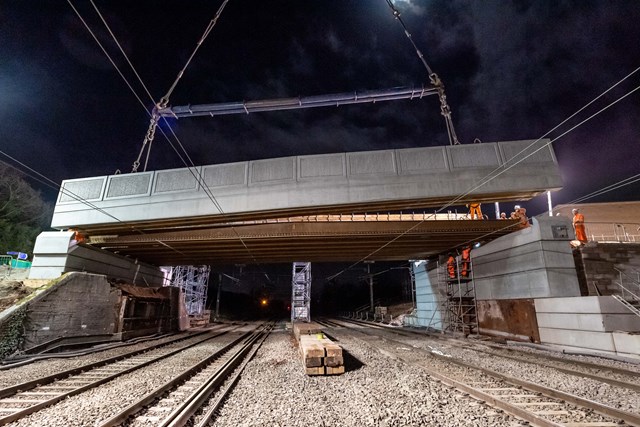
[512,70]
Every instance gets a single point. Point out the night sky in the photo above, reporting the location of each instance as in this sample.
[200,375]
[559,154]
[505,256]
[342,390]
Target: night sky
[512,70]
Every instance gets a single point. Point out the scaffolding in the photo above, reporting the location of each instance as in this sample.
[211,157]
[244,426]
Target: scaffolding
[301,292]
[459,305]
[193,280]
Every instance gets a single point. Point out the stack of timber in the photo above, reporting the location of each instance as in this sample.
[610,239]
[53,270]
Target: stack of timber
[200,320]
[320,355]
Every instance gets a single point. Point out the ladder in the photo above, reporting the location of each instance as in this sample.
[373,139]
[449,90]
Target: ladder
[301,292]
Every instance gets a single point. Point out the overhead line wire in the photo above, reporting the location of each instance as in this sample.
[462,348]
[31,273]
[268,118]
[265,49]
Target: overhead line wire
[486,181]
[199,178]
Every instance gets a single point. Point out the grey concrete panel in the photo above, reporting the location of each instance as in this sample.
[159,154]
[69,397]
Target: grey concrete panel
[270,170]
[376,176]
[371,162]
[89,189]
[563,282]
[229,174]
[473,155]
[422,160]
[627,343]
[538,151]
[176,180]
[575,338]
[135,184]
[579,304]
[324,165]
[529,284]
[590,322]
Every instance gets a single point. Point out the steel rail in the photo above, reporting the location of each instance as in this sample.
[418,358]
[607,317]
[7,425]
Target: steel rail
[23,412]
[185,411]
[155,394]
[28,385]
[523,358]
[207,416]
[602,409]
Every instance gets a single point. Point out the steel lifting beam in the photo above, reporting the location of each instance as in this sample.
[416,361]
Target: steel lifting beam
[337,99]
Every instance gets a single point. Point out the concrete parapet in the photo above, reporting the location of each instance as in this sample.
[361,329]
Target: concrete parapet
[289,183]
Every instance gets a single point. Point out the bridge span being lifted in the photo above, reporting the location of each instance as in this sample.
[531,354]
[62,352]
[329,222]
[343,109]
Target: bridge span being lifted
[245,212]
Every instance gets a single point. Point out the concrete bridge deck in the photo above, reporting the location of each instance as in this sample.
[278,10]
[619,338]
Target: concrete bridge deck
[370,181]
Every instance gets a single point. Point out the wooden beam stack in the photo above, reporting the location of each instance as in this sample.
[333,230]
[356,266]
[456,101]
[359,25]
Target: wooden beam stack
[320,355]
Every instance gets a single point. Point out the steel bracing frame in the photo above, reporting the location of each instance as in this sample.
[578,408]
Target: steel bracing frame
[301,292]
[193,280]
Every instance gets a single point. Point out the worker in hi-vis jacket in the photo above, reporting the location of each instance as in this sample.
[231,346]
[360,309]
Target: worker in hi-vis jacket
[474,210]
[578,226]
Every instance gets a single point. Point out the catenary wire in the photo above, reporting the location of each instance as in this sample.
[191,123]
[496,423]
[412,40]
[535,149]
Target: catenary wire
[486,181]
[192,169]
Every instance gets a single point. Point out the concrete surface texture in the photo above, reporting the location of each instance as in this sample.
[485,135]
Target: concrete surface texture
[535,262]
[53,255]
[607,222]
[437,173]
[593,323]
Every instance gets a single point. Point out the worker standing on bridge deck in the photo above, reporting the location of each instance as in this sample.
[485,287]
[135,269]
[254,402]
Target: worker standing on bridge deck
[578,226]
[520,214]
[451,266]
[474,210]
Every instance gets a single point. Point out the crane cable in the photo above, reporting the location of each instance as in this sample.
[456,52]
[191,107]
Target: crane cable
[489,179]
[191,168]
[164,101]
[433,77]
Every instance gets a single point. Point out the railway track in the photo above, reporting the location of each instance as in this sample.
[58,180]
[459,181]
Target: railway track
[23,399]
[604,373]
[176,402]
[537,404]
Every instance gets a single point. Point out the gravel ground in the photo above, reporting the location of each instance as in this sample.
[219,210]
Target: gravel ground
[376,391]
[616,397]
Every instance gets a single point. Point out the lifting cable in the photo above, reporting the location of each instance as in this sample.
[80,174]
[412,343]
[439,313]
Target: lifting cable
[627,181]
[191,168]
[164,101]
[433,77]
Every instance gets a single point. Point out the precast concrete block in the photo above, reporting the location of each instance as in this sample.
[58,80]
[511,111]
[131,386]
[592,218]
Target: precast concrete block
[422,160]
[322,165]
[176,180]
[580,304]
[528,284]
[626,343]
[86,189]
[589,322]
[563,282]
[582,339]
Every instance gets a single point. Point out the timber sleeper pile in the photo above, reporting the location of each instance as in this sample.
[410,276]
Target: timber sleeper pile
[320,355]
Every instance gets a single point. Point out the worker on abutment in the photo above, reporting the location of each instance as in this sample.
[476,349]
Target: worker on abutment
[474,210]
[578,226]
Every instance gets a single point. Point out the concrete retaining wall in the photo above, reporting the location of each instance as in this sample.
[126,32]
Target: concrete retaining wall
[80,304]
[592,323]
